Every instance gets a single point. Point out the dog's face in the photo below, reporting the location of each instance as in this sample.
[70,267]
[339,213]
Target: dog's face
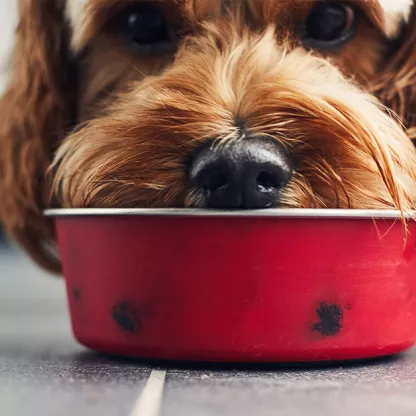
[207,103]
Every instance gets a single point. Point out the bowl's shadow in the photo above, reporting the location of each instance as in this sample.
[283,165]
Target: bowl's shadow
[92,357]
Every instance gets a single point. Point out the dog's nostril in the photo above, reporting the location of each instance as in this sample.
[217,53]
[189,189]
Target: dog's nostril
[267,181]
[215,182]
[243,175]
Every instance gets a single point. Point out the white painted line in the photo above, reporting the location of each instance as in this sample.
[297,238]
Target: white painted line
[149,402]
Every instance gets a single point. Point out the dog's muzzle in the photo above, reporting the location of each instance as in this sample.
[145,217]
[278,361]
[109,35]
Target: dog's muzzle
[241,174]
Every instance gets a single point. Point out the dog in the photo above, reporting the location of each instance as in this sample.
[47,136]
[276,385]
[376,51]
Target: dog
[227,104]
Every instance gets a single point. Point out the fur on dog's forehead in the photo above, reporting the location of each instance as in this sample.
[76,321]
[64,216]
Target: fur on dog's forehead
[392,12]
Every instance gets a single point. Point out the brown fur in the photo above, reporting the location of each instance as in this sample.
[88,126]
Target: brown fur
[139,118]
[396,85]
[35,113]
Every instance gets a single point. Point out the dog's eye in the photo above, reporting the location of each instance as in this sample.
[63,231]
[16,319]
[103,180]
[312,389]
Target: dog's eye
[329,25]
[144,27]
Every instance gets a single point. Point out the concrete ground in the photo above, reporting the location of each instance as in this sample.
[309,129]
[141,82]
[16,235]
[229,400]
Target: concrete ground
[44,372]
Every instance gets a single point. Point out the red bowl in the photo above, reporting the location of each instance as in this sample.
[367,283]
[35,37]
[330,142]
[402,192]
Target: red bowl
[261,286]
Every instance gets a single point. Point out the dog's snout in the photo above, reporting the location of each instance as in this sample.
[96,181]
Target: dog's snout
[242,174]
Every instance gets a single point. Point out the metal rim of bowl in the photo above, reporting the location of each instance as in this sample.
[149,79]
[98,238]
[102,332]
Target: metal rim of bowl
[264,213]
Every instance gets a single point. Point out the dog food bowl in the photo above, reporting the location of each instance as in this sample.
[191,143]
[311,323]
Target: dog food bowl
[256,286]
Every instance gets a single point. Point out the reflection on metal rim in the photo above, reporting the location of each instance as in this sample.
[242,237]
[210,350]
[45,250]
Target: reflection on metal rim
[267,213]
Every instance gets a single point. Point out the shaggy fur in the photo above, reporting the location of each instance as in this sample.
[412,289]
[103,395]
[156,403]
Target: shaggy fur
[88,123]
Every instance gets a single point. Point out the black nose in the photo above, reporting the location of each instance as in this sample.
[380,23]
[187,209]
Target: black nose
[241,175]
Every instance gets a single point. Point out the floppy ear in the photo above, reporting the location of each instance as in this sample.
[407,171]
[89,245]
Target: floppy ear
[396,86]
[35,111]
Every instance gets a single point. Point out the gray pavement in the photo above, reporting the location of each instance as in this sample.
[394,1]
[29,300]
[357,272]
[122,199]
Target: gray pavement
[44,372]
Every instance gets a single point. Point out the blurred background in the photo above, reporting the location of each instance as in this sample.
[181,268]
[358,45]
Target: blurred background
[8,21]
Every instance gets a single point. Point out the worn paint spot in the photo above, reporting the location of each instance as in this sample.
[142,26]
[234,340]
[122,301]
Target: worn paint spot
[126,317]
[76,292]
[330,317]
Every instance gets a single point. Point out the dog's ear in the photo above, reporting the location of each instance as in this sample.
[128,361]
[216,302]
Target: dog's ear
[396,86]
[35,111]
